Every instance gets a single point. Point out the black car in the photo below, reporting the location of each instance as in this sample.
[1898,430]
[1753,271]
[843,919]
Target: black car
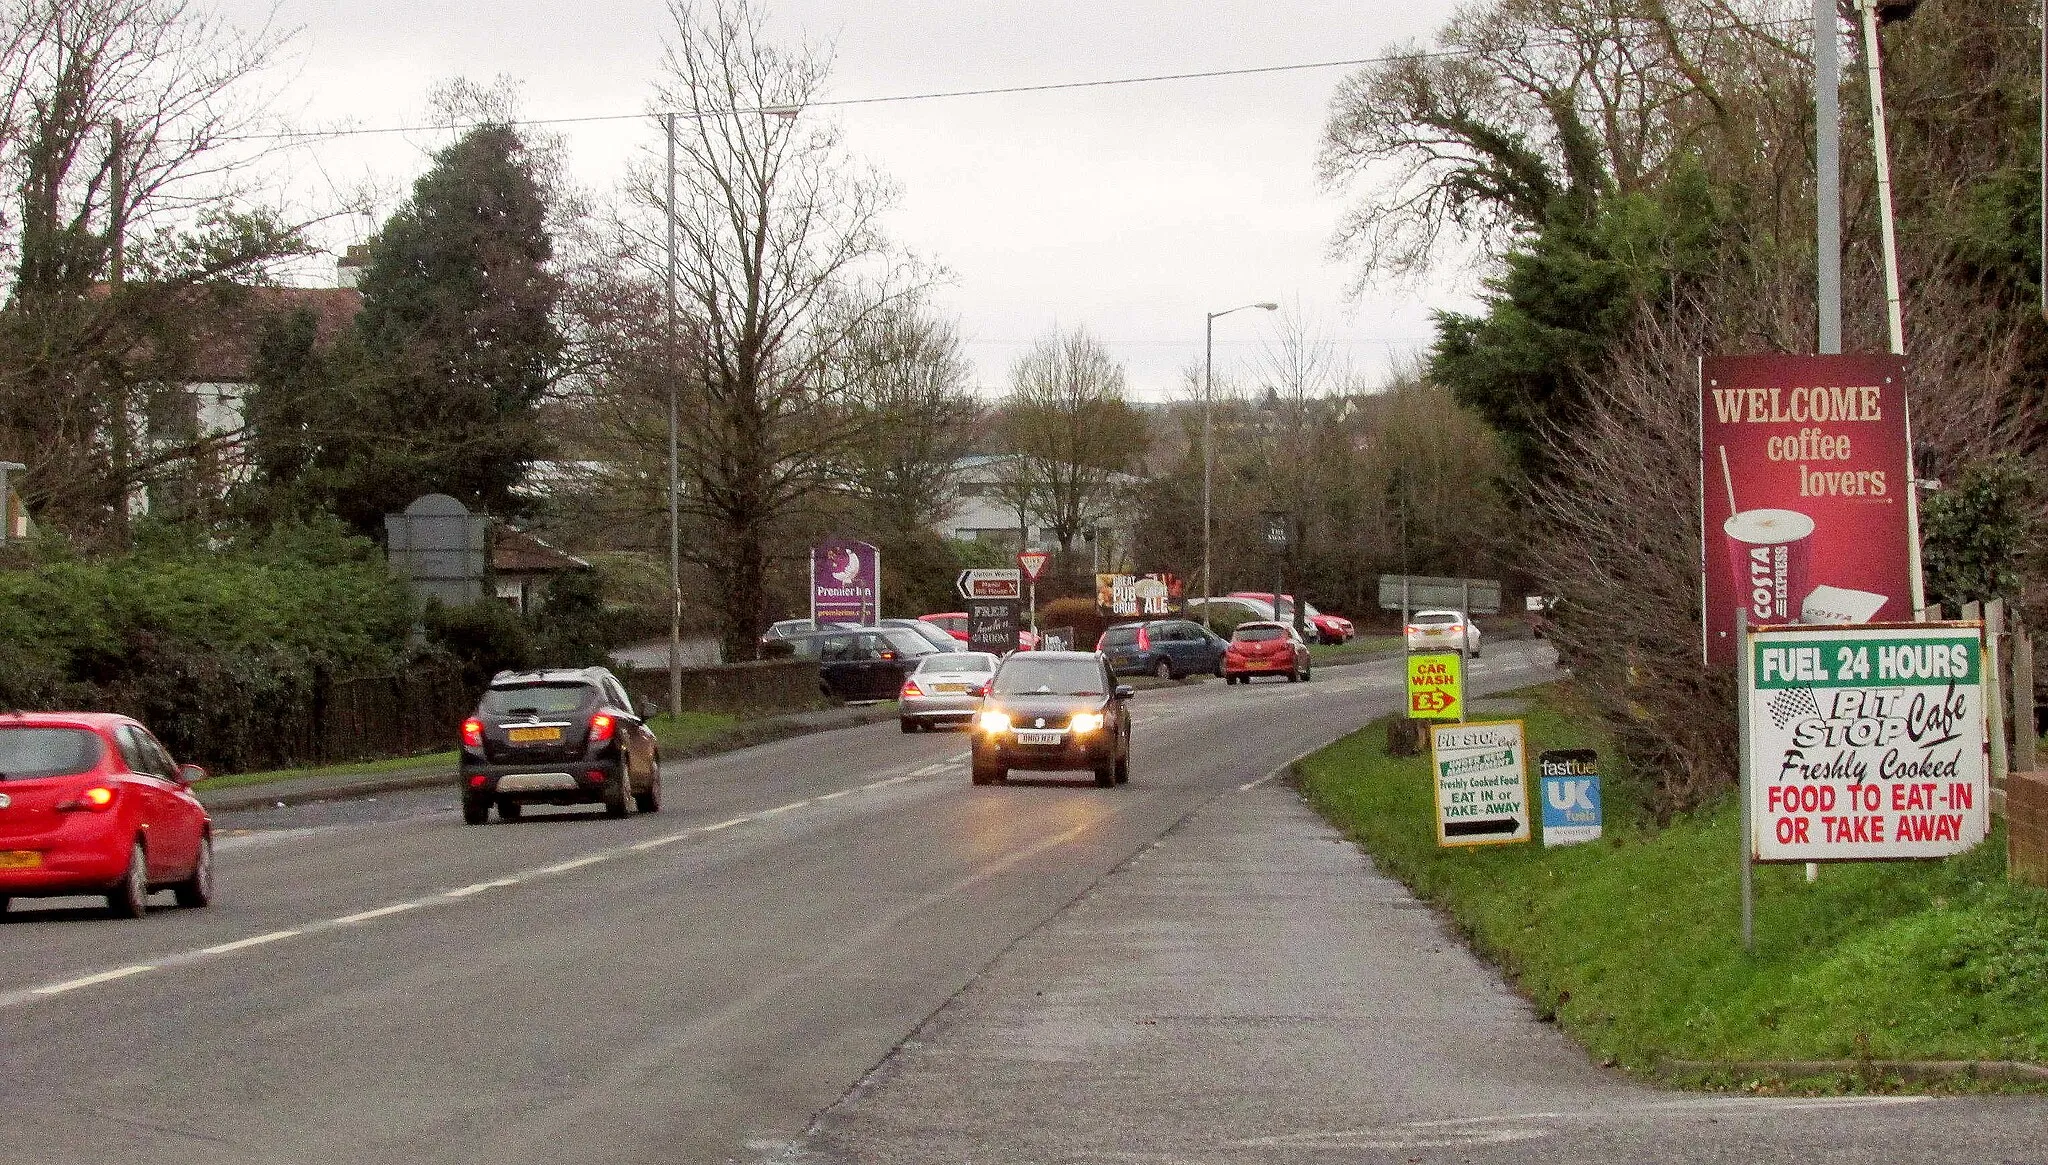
[934,635]
[558,737]
[1053,710]
[1167,648]
[863,663]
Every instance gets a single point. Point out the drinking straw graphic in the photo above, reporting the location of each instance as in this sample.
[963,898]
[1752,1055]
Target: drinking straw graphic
[1728,480]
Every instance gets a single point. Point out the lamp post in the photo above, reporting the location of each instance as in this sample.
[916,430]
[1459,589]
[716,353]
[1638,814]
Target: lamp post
[675,544]
[1208,459]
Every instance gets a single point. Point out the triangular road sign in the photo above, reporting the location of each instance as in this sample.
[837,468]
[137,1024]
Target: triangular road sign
[1032,563]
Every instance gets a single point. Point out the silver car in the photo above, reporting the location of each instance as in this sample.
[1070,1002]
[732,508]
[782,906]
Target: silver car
[945,689]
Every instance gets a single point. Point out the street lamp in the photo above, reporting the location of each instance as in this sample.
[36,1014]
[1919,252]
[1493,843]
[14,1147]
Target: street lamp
[1208,460]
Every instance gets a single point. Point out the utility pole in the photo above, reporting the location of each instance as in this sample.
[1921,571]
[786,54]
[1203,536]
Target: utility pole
[1827,150]
[117,262]
[675,543]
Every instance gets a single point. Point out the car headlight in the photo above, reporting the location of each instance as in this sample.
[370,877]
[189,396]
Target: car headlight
[994,721]
[1086,721]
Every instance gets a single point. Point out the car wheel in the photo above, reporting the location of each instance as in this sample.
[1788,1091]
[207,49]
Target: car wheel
[618,794]
[476,810]
[988,772]
[1105,775]
[197,890]
[1308,673]
[1219,669]
[908,724]
[650,801]
[509,810]
[4,903]
[1123,766]
[1293,675]
[1164,669]
[130,897]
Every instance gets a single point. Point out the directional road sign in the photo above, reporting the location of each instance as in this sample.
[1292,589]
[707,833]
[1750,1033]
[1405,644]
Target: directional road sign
[985,583]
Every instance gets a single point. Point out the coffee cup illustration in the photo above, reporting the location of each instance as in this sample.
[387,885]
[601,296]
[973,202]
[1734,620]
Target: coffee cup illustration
[1770,552]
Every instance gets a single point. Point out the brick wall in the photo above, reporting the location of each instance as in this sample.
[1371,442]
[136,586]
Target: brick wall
[2026,825]
[763,686]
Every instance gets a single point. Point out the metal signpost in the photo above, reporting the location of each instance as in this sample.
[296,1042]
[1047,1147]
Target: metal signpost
[1482,783]
[7,498]
[1032,563]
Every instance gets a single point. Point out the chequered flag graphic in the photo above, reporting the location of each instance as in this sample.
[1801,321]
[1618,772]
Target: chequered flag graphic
[1793,704]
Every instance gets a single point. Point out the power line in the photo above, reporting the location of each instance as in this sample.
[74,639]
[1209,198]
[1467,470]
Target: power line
[949,94]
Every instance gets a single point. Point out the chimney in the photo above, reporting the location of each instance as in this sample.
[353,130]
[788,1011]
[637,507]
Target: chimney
[349,271]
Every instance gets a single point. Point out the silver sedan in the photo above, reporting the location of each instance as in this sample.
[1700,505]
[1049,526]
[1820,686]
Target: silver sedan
[945,689]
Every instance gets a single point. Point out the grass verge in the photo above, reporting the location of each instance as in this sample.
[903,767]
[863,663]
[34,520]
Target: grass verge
[391,764]
[691,730]
[1632,943]
[1361,647]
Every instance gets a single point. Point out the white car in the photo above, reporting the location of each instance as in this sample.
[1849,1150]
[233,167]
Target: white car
[1442,631]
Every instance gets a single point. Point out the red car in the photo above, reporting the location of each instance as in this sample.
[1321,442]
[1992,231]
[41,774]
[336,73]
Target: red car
[1328,628]
[954,623]
[1263,648]
[91,803]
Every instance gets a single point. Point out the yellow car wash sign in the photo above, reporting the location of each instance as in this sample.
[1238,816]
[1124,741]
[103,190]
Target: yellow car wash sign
[1436,686]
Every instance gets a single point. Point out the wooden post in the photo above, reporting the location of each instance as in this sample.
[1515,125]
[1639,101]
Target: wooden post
[2021,693]
[1994,688]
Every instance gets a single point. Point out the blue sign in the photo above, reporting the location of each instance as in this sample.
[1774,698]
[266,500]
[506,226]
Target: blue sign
[1571,795]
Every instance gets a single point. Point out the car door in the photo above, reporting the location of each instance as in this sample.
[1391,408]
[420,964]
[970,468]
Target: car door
[171,836]
[638,737]
[839,664]
[1185,646]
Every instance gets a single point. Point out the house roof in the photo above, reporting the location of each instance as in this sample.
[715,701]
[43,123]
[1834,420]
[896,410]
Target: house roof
[222,339]
[517,552]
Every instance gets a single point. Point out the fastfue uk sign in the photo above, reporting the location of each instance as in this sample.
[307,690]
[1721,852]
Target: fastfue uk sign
[1867,742]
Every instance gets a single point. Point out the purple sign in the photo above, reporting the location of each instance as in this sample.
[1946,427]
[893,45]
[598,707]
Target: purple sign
[846,582]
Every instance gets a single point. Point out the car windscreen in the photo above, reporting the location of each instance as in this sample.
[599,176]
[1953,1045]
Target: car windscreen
[957,662]
[27,754]
[1024,676]
[1255,634]
[934,636]
[907,642]
[1433,618]
[537,699]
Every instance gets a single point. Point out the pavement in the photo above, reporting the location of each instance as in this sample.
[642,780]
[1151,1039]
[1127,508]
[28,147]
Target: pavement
[344,786]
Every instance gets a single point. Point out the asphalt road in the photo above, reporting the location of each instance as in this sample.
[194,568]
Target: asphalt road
[803,931]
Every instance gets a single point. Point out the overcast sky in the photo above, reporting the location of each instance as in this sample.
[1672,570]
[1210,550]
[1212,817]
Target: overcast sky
[1131,210]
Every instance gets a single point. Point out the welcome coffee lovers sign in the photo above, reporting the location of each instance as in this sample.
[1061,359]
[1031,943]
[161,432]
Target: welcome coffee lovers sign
[1806,488]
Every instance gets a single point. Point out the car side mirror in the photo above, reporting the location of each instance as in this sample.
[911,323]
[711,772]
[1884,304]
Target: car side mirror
[190,774]
[1125,691]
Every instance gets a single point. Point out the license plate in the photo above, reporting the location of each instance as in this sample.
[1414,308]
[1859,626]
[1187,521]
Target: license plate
[1259,663]
[20,859]
[949,687]
[532,735]
[1050,736]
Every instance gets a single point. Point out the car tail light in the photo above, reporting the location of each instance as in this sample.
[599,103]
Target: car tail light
[472,733]
[97,799]
[980,690]
[601,726]
[595,776]
[476,780]
[909,689]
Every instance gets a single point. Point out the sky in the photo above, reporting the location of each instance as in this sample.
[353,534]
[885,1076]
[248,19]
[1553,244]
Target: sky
[1130,210]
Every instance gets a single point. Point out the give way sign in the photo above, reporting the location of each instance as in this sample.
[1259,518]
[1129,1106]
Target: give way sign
[1032,563]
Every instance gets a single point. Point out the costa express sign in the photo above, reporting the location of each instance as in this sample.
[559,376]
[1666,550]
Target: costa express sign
[1806,493]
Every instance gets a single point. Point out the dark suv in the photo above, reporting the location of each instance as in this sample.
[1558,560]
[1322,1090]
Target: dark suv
[1167,648]
[558,737]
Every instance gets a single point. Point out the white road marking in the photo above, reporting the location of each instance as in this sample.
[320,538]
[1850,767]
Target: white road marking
[934,770]
[91,980]
[379,912]
[480,887]
[254,940]
[838,795]
[727,824]
[658,842]
[572,864]
[765,813]
[885,784]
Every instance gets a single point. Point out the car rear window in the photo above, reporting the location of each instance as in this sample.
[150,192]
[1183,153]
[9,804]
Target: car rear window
[956,662]
[1431,618]
[1255,634]
[539,699]
[27,754]
[1120,635]
[1022,675]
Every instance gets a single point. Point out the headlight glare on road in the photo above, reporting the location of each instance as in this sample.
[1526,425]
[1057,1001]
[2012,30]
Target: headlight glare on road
[1087,721]
[994,722]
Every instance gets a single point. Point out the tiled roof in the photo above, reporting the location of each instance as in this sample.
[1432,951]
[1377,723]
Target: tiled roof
[517,552]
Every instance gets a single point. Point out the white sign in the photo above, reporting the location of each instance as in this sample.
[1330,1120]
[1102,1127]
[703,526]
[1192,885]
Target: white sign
[1482,783]
[1867,742]
[988,583]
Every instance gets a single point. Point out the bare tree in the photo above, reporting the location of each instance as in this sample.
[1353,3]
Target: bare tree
[908,385]
[783,265]
[1067,418]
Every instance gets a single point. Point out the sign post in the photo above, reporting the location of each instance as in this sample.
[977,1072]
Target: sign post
[1482,783]
[1436,686]
[1032,563]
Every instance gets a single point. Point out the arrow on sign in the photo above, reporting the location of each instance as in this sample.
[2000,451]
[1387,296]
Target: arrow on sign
[1432,702]
[1491,825]
[985,583]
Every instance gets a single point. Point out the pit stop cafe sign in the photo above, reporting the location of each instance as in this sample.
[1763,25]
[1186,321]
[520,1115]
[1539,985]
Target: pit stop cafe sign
[1482,783]
[1867,742]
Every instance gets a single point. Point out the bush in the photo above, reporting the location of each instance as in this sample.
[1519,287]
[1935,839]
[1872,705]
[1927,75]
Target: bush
[1078,613]
[483,638]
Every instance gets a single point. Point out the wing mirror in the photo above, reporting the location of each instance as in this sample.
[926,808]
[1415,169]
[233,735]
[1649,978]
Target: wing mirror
[190,774]
[1125,691]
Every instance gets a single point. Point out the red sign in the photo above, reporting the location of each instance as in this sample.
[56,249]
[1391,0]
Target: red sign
[1032,563]
[1806,511]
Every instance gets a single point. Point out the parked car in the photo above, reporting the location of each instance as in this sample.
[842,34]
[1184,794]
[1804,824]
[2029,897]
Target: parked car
[954,623]
[558,737]
[1053,710]
[1266,648]
[91,803]
[945,690]
[863,663]
[1223,613]
[1167,648]
[1442,631]
[938,637]
[791,628]
[1328,628]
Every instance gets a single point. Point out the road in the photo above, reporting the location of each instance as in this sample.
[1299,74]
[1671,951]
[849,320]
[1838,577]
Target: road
[835,925]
